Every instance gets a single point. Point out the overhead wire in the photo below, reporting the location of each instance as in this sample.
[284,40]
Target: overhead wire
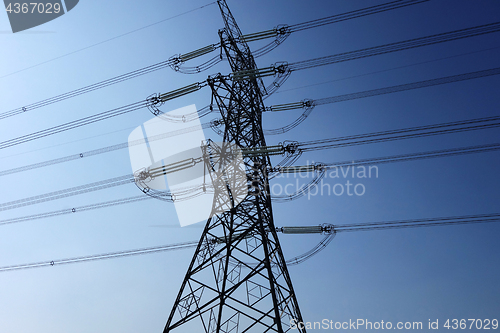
[103,150]
[388,69]
[312,252]
[409,86]
[310,104]
[320,168]
[337,142]
[420,155]
[401,134]
[368,161]
[74,210]
[354,14]
[463,33]
[110,39]
[180,194]
[397,46]
[281,33]
[91,187]
[401,224]
[428,222]
[110,255]
[102,256]
[206,111]
[171,62]
[73,124]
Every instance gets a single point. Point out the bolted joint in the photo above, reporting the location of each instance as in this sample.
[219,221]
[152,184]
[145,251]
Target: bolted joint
[328,229]
[291,148]
[282,29]
[280,67]
[308,103]
[153,102]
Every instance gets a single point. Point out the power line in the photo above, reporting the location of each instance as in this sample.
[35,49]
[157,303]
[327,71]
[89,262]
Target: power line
[429,222]
[281,33]
[109,255]
[354,14]
[309,104]
[421,156]
[409,86]
[369,161]
[377,50]
[415,223]
[463,33]
[108,40]
[337,142]
[101,185]
[387,70]
[142,104]
[397,46]
[170,62]
[401,134]
[73,124]
[74,210]
[100,150]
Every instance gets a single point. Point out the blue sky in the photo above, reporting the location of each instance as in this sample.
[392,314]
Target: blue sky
[398,275]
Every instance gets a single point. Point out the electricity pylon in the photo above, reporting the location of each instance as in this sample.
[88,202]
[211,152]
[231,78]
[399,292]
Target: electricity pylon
[242,283]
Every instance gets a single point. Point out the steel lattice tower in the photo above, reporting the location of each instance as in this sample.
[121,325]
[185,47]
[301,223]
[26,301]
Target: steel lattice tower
[240,284]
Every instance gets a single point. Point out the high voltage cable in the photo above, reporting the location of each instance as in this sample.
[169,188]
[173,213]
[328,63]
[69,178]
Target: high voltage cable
[485,120]
[280,33]
[394,135]
[388,69]
[73,124]
[142,104]
[117,181]
[74,210]
[86,89]
[109,255]
[429,222]
[488,28]
[397,46]
[338,142]
[110,39]
[370,93]
[321,101]
[409,86]
[101,150]
[353,14]
[439,221]
[421,156]
[167,63]
[369,161]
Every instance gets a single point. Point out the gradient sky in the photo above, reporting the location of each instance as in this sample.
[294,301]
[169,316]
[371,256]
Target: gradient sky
[398,275]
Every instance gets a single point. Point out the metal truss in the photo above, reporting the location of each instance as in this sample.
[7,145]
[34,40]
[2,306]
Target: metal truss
[240,284]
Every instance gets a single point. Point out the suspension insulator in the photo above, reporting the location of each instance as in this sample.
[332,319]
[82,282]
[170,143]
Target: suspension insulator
[302,230]
[197,53]
[253,73]
[267,150]
[180,92]
[286,107]
[258,35]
